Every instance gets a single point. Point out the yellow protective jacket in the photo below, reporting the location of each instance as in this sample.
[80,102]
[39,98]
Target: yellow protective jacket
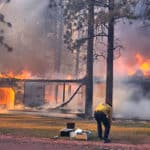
[106,109]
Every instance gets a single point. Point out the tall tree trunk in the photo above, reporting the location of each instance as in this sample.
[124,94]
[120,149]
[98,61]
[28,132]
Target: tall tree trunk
[77,64]
[59,34]
[89,70]
[110,55]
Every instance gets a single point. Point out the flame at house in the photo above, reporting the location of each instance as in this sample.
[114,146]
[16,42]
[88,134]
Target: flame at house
[24,74]
[10,91]
[132,73]
[7,98]
[142,65]
[38,52]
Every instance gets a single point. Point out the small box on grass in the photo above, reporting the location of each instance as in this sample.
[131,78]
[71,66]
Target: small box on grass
[65,132]
[78,136]
[82,136]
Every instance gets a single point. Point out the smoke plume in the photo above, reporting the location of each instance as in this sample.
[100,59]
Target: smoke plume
[131,102]
[33,38]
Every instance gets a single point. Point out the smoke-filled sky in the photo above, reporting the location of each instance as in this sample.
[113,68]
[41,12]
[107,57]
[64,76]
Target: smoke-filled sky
[34,44]
[136,37]
[29,36]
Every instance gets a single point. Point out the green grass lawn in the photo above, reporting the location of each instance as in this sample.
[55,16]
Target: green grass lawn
[48,127]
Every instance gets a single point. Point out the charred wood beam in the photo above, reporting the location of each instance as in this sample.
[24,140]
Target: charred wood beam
[64,87]
[83,80]
[69,100]
[56,93]
[56,81]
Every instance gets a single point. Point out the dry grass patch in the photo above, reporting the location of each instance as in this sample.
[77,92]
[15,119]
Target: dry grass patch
[48,127]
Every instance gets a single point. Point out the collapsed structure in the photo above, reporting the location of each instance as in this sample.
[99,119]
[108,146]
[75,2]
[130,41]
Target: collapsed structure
[35,93]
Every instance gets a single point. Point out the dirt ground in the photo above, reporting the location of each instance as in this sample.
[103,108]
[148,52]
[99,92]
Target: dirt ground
[25,143]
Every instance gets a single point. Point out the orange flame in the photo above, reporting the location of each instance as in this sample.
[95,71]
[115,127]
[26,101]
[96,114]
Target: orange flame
[69,77]
[142,64]
[7,97]
[23,75]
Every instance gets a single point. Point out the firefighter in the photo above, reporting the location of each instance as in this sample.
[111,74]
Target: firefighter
[103,114]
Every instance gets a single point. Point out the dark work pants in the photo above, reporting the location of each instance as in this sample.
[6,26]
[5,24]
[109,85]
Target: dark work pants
[100,117]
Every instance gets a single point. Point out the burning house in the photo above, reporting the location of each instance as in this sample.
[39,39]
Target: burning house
[28,93]
[132,87]
[14,92]
[11,93]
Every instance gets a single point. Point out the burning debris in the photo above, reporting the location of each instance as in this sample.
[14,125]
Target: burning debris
[141,68]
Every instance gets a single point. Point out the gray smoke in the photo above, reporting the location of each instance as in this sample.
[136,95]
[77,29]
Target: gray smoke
[33,37]
[135,39]
[131,102]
